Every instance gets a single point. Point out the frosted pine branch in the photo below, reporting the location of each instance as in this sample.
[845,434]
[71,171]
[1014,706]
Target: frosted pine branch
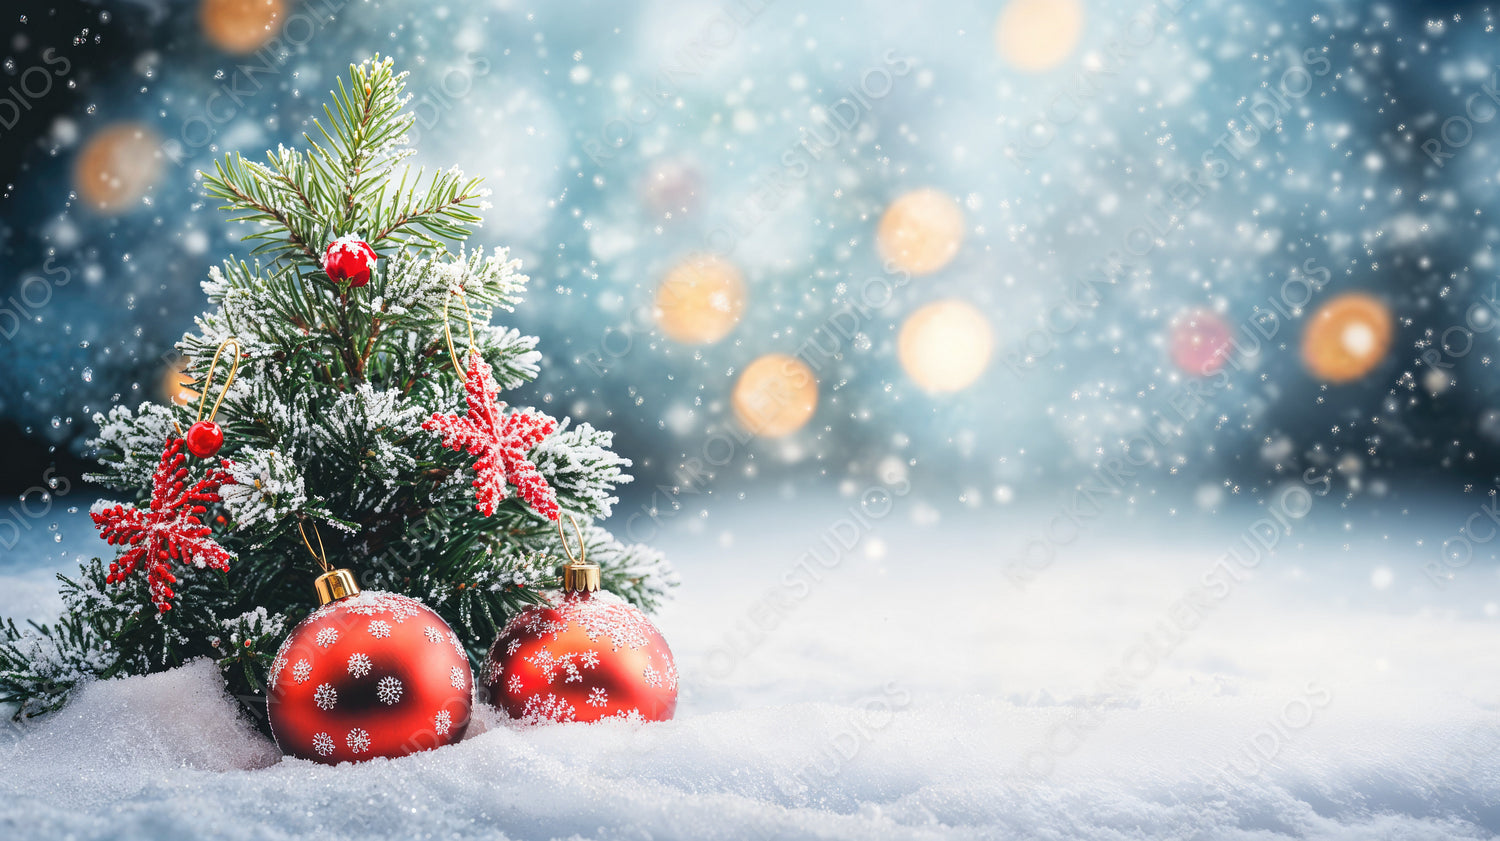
[579,465]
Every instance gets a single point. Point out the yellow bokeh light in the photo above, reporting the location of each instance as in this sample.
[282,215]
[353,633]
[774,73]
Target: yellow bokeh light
[945,345]
[1347,337]
[240,26]
[1038,35]
[117,166]
[776,395]
[921,231]
[700,300]
[176,384]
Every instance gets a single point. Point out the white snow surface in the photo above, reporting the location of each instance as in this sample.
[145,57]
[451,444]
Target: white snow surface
[884,702]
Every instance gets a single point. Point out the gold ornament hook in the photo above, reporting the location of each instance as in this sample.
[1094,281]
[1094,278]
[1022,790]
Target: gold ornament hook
[333,584]
[208,379]
[583,549]
[321,556]
[468,324]
[578,574]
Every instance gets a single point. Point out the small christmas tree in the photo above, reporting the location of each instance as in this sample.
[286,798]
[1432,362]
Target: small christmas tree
[342,415]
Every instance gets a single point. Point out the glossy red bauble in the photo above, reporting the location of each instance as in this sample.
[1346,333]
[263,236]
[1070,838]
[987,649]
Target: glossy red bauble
[589,656]
[204,439]
[377,674]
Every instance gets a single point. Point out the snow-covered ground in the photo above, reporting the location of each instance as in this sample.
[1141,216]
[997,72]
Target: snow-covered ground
[908,690]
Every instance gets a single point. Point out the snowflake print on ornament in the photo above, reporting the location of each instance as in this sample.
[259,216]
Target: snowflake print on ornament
[388,690]
[379,669]
[540,709]
[302,671]
[323,744]
[442,721]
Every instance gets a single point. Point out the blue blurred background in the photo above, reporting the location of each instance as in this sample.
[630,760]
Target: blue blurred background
[1003,238]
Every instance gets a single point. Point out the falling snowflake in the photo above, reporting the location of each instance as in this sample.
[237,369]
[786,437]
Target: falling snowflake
[380,630]
[325,696]
[327,637]
[433,635]
[457,678]
[598,697]
[168,529]
[388,690]
[442,722]
[359,665]
[323,744]
[302,671]
[500,443]
[358,740]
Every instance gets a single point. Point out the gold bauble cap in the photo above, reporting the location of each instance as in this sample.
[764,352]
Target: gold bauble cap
[580,577]
[336,584]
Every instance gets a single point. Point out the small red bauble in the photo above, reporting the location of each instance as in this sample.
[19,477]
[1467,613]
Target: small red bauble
[349,259]
[589,656]
[204,438]
[373,674]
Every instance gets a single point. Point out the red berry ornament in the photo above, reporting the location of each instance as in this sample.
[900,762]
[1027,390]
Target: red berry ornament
[349,259]
[500,441]
[367,674]
[166,532]
[204,439]
[588,657]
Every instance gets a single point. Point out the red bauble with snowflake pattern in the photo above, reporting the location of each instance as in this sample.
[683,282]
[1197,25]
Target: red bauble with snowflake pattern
[366,675]
[587,657]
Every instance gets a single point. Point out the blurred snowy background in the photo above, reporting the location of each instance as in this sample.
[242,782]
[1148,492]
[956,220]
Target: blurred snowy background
[1128,317]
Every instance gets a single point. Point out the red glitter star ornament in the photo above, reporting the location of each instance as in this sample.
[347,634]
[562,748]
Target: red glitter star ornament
[500,441]
[167,531]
